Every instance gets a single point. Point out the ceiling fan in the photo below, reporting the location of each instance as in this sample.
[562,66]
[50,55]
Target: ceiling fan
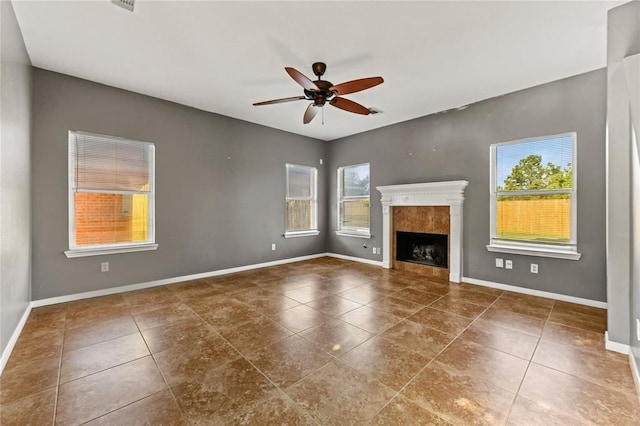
[322,92]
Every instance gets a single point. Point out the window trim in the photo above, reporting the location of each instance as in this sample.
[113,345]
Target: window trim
[356,232]
[561,250]
[314,203]
[104,249]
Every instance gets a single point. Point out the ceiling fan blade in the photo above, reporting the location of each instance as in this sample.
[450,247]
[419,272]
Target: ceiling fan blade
[350,106]
[301,79]
[310,113]
[356,85]
[279,101]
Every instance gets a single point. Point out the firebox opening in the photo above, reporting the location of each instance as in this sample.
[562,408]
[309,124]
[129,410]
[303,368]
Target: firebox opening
[424,249]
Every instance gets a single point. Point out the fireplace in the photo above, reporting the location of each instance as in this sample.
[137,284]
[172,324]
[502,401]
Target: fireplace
[422,248]
[424,208]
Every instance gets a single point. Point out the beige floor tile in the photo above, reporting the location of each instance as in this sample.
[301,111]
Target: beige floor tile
[369,319]
[300,318]
[164,315]
[401,411]
[98,394]
[495,336]
[337,394]
[33,409]
[416,296]
[525,307]
[28,378]
[514,321]
[334,305]
[446,322]
[252,335]
[101,356]
[457,307]
[417,337]
[287,361]
[157,409]
[220,394]
[526,412]
[396,306]
[336,337]
[581,339]
[386,362]
[609,369]
[459,398]
[489,365]
[576,398]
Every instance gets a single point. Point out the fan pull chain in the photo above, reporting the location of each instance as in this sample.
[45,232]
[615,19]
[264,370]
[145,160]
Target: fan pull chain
[323,116]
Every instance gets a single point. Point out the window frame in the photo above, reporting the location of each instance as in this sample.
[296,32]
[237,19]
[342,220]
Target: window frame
[313,197]
[352,232]
[115,248]
[555,250]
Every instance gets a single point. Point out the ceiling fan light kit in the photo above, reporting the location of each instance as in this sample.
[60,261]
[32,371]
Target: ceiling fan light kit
[321,92]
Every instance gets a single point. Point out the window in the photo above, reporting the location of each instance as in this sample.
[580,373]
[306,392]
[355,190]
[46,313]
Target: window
[353,201]
[533,197]
[301,201]
[111,195]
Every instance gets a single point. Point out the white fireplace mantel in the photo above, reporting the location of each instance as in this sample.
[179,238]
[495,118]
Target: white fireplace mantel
[450,193]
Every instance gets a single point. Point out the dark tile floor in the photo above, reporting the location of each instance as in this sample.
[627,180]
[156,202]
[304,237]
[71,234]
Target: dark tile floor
[324,342]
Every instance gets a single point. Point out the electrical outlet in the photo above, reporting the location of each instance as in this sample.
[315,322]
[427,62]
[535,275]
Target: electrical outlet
[534,268]
[375,251]
[273,246]
[104,267]
[508,264]
[499,263]
[321,161]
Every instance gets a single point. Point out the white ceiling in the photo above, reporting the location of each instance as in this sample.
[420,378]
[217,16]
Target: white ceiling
[223,56]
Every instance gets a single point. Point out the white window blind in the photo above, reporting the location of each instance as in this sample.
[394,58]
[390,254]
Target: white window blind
[111,164]
[111,193]
[301,199]
[354,200]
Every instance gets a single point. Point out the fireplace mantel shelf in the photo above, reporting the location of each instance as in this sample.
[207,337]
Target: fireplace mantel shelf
[448,193]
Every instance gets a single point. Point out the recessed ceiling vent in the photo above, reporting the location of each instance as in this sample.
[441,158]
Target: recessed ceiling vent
[125,4]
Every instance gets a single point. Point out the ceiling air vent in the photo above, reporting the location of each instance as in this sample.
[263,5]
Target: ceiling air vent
[125,4]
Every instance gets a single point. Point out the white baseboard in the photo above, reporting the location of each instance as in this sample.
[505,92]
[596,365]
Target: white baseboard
[140,286]
[539,293]
[6,353]
[355,259]
[615,346]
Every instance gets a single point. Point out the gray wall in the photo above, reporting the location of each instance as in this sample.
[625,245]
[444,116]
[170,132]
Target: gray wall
[219,186]
[455,145]
[15,206]
[623,39]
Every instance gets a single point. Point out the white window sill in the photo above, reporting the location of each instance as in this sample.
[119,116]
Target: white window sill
[353,234]
[540,251]
[301,234]
[109,250]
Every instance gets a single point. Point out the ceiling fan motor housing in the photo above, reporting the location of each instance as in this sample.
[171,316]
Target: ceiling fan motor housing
[324,94]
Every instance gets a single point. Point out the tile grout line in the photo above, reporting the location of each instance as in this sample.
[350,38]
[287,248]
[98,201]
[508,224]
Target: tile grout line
[249,361]
[64,332]
[513,402]
[155,362]
[434,358]
[114,366]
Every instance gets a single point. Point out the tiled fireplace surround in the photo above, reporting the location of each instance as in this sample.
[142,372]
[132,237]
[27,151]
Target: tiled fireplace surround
[433,207]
